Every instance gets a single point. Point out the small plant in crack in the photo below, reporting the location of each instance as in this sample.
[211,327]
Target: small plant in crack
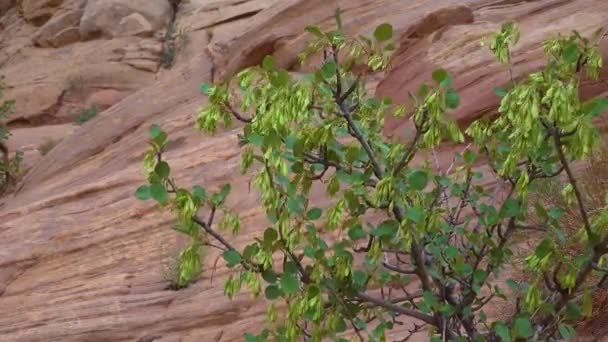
[85,115]
[47,146]
[176,39]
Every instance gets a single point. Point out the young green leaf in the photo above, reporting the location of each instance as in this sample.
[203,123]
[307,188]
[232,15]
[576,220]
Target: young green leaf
[159,193]
[314,214]
[415,214]
[383,32]
[162,170]
[143,193]
[418,180]
[205,88]
[329,69]
[523,327]
[155,131]
[387,228]
[289,283]
[356,232]
[442,78]
[452,100]
[232,258]
[272,292]
[315,30]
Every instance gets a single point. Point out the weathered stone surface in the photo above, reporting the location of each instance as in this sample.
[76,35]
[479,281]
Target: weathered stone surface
[38,11]
[61,30]
[81,259]
[5,5]
[107,17]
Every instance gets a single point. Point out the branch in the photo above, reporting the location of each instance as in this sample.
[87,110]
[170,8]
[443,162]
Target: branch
[397,269]
[579,198]
[236,114]
[396,308]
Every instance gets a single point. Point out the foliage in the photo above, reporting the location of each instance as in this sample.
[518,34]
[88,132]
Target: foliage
[176,39]
[348,267]
[85,115]
[48,145]
[9,166]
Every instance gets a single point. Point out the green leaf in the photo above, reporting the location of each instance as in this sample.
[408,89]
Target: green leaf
[415,214]
[155,131]
[598,106]
[469,156]
[451,252]
[289,283]
[442,77]
[555,213]
[383,32]
[500,92]
[587,304]
[314,213]
[205,88]
[270,236]
[359,279]
[571,53]
[387,228]
[272,292]
[356,232]
[220,197]
[315,30]
[503,332]
[294,205]
[268,63]
[417,180]
[159,193]
[199,192]
[573,312]
[452,100]
[523,327]
[329,69]
[232,258]
[566,331]
[255,139]
[269,276]
[510,208]
[162,169]
[143,193]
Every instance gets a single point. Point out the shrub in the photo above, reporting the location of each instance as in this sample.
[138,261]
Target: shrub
[48,145]
[176,39]
[9,166]
[392,224]
[85,115]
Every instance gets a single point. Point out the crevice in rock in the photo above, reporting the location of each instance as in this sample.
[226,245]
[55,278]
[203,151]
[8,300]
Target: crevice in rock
[241,16]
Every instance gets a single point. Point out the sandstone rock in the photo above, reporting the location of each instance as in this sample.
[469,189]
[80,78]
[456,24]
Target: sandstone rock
[143,64]
[105,98]
[5,5]
[107,17]
[38,11]
[61,30]
[134,25]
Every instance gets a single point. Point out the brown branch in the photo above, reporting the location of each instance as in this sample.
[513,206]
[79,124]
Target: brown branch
[396,308]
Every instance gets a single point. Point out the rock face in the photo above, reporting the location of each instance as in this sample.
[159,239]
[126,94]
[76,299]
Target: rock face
[80,258]
[113,18]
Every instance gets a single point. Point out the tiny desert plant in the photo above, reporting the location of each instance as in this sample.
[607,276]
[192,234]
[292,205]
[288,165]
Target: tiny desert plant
[176,39]
[85,115]
[48,145]
[9,166]
[346,268]
[75,82]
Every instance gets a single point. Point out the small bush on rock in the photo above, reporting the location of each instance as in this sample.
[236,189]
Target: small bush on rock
[400,241]
[9,166]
